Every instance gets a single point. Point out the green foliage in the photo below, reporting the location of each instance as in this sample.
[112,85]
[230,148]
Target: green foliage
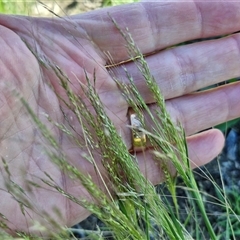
[25,7]
[228,217]
[15,7]
[106,3]
[227,125]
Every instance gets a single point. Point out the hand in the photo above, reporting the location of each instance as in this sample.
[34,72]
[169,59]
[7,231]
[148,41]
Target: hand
[79,43]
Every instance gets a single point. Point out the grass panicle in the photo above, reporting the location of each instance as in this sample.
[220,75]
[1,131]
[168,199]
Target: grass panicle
[171,140]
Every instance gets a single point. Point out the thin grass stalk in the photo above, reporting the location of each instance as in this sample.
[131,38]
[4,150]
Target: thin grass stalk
[227,206]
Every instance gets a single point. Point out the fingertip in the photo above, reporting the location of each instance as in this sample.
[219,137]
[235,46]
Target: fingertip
[202,148]
[205,146]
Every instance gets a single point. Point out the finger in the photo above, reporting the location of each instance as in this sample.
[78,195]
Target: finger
[206,109]
[202,148]
[201,110]
[158,25]
[187,68]
[198,111]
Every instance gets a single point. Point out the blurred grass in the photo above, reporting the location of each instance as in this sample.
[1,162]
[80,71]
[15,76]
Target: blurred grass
[33,7]
[116,2]
[16,7]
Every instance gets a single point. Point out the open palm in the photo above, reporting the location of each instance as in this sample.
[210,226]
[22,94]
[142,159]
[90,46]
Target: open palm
[82,44]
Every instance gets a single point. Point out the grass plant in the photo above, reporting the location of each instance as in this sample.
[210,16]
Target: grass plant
[134,210]
[137,198]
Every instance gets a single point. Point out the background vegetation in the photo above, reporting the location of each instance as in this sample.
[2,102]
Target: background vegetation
[60,7]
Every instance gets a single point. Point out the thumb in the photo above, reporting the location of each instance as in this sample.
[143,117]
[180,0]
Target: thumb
[202,148]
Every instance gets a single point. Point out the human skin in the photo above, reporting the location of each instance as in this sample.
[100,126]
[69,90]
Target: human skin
[79,44]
